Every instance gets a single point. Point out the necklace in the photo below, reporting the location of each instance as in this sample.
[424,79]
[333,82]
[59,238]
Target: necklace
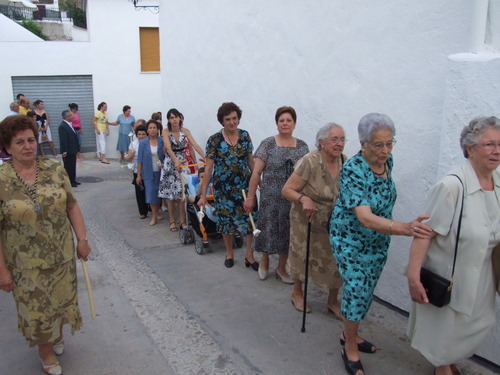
[380,174]
[229,139]
[31,189]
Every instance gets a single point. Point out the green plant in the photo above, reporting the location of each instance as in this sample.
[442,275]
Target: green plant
[34,27]
[79,16]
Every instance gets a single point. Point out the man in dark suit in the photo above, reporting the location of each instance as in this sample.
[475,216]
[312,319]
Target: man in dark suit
[68,144]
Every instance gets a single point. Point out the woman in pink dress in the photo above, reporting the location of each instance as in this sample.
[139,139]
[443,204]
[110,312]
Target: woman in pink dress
[77,125]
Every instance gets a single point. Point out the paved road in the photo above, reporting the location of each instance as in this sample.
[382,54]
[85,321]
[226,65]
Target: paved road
[162,309]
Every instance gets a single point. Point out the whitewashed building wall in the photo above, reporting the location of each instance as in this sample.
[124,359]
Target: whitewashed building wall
[335,61]
[111,55]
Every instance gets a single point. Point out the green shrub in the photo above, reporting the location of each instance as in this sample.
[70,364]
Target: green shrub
[79,16]
[34,27]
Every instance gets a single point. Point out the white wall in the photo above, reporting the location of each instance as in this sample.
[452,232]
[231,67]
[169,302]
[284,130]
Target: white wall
[333,61]
[111,55]
[11,31]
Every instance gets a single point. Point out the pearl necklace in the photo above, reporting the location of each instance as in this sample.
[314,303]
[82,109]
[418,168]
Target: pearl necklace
[31,189]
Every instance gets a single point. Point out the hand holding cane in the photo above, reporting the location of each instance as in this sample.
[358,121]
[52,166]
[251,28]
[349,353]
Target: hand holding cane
[256,232]
[89,287]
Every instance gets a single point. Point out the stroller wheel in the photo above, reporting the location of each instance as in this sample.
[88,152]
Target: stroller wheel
[190,235]
[182,236]
[198,246]
[238,241]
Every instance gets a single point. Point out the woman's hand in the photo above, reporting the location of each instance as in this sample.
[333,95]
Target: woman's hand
[97,132]
[202,201]
[417,291]
[249,205]
[83,249]
[138,179]
[309,207]
[6,283]
[418,229]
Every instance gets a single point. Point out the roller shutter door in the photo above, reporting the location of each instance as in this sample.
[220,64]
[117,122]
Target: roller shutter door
[57,92]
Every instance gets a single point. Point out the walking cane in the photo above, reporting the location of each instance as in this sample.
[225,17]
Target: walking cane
[256,231]
[89,287]
[308,250]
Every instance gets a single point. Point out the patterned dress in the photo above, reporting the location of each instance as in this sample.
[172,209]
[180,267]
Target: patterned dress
[231,174]
[170,182]
[360,252]
[274,210]
[323,190]
[39,252]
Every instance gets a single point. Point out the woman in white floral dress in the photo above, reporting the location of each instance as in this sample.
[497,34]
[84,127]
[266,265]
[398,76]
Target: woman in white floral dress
[175,138]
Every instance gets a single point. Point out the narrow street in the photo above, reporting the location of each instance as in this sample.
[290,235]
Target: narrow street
[164,309]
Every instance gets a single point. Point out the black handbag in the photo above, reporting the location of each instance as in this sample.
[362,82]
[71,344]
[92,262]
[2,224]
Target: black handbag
[438,288]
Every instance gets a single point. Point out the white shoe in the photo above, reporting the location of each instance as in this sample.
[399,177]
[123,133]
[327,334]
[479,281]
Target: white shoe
[262,273]
[59,347]
[54,369]
[285,279]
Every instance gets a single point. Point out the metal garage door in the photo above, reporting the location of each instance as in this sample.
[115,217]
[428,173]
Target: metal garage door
[57,92]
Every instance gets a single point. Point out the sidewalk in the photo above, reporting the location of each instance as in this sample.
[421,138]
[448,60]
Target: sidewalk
[164,309]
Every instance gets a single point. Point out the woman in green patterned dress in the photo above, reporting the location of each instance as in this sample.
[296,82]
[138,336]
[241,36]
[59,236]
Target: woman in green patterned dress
[37,254]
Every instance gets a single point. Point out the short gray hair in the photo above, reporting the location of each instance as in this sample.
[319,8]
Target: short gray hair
[65,113]
[373,122]
[323,132]
[471,133]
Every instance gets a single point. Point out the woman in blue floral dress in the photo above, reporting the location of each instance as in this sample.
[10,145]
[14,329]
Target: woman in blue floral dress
[361,227]
[229,156]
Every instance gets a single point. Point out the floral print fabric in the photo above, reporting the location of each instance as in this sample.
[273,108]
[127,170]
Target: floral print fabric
[231,174]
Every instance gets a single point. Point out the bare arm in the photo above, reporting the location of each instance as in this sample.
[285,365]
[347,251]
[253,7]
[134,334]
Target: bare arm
[77,222]
[258,168]
[291,191]
[250,161]
[371,221]
[204,184]
[94,123]
[418,251]
[48,119]
[191,140]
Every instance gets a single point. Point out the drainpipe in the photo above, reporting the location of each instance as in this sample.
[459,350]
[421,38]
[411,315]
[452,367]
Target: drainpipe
[479,18]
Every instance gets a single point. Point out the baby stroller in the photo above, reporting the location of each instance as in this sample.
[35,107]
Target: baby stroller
[204,224]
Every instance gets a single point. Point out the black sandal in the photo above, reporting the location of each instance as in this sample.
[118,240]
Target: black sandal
[365,346]
[352,367]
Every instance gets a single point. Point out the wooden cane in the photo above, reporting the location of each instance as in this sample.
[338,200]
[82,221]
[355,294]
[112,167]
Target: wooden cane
[256,231]
[89,287]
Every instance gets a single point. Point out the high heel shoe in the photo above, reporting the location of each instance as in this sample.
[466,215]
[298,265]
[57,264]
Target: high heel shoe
[286,279]
[254,265]
[53,369]
[262,273]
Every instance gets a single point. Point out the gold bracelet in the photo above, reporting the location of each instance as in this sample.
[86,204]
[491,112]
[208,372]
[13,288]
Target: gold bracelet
[391,223]
[83,239]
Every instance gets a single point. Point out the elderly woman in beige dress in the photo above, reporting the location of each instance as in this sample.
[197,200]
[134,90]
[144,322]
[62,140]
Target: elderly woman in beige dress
[453,332]
[312,188]
[38,214]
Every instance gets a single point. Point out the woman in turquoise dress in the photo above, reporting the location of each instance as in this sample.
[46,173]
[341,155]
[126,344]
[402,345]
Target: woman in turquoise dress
[229,156]
[361,226]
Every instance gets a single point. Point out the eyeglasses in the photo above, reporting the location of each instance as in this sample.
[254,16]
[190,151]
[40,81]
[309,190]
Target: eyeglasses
[337,140]
[490,146]
[380,145]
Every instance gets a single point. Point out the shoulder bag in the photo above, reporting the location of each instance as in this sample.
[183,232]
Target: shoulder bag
[438,288]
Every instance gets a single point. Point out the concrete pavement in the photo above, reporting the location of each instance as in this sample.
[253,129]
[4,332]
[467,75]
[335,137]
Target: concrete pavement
[164,309]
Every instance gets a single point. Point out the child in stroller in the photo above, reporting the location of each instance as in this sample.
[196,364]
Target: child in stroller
[205,225]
